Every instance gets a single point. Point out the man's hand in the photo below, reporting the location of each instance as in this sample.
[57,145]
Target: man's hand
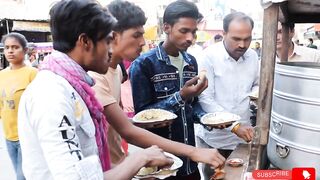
[193,88]
[155,157]
[208,156]
[245,132]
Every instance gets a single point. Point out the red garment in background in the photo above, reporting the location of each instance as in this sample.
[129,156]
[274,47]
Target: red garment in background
[126,99]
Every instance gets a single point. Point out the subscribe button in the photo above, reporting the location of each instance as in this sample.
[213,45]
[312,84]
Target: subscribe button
[296,174]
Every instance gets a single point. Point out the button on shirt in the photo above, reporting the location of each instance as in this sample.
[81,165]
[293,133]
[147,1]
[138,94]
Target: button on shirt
[229,84]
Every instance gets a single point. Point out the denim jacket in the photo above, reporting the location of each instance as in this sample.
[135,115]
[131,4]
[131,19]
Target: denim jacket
[156,84]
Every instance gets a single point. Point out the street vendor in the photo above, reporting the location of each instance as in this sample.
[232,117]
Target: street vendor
[233,73]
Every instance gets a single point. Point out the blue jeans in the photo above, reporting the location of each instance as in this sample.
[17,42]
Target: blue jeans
[14,151]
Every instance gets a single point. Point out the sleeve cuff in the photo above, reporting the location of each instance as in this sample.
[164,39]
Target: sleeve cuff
[89,168]
[178,98]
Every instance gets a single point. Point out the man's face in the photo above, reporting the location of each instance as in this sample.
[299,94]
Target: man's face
[257,45]
[279,36]
[182,33]
[238,38]
[128,44]
[100,56]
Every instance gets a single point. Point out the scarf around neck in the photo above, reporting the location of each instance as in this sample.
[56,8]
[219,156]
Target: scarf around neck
[62,65]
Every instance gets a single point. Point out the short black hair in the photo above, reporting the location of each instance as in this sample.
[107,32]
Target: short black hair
[236,15]
[311,40]
[289,24]
[128,15]
[70,18]
[200,17]
[217,37]
[19,37]
[180,9]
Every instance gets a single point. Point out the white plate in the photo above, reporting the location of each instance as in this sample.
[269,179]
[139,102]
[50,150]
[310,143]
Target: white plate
[167,172]
[153,115]
[219,118]
[177,162]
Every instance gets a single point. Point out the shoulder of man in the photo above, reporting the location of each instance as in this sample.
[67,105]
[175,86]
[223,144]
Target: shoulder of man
[151,54]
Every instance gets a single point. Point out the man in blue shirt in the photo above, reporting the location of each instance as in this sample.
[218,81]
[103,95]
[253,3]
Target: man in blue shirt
[166,78]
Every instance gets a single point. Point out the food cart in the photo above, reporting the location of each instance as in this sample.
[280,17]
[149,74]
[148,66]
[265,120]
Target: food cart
[296,11]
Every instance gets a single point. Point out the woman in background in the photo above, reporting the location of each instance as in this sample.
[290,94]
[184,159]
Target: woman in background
[13,81]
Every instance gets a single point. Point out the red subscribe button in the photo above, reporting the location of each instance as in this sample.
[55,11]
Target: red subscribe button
[302,173]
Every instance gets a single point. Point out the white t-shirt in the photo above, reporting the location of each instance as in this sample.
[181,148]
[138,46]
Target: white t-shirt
[179,63]
[56,132]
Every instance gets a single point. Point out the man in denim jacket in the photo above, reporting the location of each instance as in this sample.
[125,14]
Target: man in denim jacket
[166,78]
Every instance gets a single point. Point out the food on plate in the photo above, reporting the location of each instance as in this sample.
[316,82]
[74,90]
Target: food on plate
[154,115]
[218,174]
[219,118]
[147,170]
[166,172]
[235,162]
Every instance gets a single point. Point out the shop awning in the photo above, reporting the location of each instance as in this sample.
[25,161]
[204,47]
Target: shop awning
[31,26]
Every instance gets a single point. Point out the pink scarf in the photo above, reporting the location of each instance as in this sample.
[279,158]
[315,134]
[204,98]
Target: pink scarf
[64,66]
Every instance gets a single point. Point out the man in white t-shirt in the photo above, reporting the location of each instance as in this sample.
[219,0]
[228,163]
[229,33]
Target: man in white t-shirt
[60,124]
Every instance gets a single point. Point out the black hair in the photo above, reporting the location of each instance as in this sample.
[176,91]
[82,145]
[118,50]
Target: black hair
[180,9]
[128,15]
[125,75]
[289,24]
[70,18]
[19,37]
[236,15]
[311,40]
[217,37]
[200,17]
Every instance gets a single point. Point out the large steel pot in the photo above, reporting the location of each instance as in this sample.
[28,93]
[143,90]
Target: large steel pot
[294,139]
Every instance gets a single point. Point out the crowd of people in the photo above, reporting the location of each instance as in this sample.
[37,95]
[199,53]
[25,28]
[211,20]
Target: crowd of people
[66,119]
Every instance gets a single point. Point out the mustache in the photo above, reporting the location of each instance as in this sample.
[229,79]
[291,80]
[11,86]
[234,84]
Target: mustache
[241,49]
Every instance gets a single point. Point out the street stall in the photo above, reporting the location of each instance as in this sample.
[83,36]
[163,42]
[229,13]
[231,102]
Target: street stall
[288,127]
[43,49]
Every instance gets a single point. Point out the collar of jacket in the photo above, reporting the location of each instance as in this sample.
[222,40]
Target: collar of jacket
[163,56]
